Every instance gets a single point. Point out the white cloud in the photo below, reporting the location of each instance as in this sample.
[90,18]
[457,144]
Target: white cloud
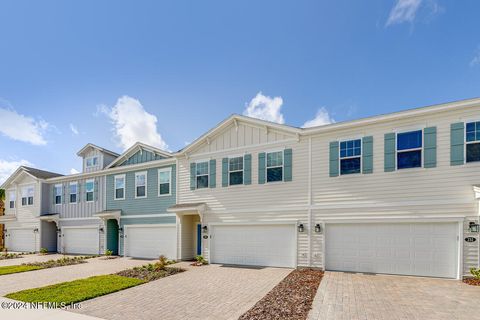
[476,59]
[321,118]
[403,11]
[74,171]
[74,129]
[131,123]
[9,167]
[265,108]
[22,128]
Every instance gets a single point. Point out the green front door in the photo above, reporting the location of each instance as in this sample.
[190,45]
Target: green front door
[112,236]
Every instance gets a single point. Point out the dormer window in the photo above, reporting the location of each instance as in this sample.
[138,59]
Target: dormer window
[92,162]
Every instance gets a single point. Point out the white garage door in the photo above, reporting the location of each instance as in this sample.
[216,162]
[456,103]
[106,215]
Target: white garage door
[420,249]
[81,240]
[150,241]
[21,240]
[255,245]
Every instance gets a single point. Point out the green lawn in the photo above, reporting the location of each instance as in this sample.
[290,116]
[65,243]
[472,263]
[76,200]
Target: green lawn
[76,291]
[17,269]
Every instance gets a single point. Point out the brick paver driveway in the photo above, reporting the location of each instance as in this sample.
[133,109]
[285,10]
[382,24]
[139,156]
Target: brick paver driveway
[39,278]
[379,297]
[208,292]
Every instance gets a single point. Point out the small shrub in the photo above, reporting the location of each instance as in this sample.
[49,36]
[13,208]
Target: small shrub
[475,273]
[108,253]
[200,261]
[43,250]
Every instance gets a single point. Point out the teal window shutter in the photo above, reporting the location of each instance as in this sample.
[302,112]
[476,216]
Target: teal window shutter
[367,154]
[247,169]
[287,165]
[261,168]
[430,147]
[95,189]
[333,158]
[193,169]
[225,172]
[389,152]
[457,143]
[213,174]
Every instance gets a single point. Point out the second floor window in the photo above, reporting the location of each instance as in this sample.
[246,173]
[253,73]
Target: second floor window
[472,139]
[350,156]
[202,174]
[89,190]
[164,179]
[120,187]
[275,166]
[11,199]
[58,194]
[235,171]
[73,192]
[141,184]
[27,195]
[409,149]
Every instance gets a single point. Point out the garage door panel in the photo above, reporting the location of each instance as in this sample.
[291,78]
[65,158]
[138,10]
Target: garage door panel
[21,240]
[150,241]
[81,240]
[424,249]
[263,245]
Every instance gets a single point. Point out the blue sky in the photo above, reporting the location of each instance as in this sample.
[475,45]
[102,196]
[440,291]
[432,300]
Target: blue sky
[113,72]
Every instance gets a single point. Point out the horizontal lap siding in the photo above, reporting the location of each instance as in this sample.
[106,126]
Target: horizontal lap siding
[80,209]
[151,205]
[426,192]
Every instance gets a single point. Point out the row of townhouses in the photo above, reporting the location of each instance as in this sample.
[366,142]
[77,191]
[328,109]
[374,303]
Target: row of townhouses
[393,193]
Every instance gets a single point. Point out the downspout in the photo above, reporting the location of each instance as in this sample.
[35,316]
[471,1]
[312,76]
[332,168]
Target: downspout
[310,222]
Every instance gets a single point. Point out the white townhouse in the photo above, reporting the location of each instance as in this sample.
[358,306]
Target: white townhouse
[394,193]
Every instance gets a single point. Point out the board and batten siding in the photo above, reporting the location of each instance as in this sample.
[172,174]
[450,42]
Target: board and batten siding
[275,202]
[93,152]
[436,192]
[81,208]
[140,157]
[152,204]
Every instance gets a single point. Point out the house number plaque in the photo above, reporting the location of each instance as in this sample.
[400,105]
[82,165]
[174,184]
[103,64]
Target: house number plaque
[470,239]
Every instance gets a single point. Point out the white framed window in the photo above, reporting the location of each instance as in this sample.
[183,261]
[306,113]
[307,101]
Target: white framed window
[73,189]
[89,190]
[27,195]
[119,186]
[92,162]
[274,166]
[350,156]
[12,197]
[472,141]
[409,149]
[140,184]
[202,174]
[164,181]
[235,171]
[58,189]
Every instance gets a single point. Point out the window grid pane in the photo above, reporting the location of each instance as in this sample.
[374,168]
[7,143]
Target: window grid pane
[164,177]
[274,159]
[409,140]
[202,168]
[351,148]
[472,131]
[236,164]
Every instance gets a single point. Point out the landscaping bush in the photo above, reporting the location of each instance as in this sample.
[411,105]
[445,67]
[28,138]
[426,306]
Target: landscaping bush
[43,250]
[199,261]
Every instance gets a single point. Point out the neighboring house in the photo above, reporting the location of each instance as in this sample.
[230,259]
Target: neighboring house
[25,202]
[388,194]
[141,185]
[396,194]
[75,202]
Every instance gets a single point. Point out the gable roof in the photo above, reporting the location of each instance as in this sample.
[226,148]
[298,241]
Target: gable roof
[35,173]
[137,146]
[91,145]
[235,119]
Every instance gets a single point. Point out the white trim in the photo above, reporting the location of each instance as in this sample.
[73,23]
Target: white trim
[93,164]
[282,166]
[139,173]
[465,142]
[119,176]
[160,215]
[70,192]
[349,157]
[169,170]
[82,227]
[228,171]
[61,194]
[79,219]
[421,149]
[201,175]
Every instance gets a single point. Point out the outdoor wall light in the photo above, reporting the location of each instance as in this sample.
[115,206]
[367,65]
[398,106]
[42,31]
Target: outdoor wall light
[35,230]
[101,229]
[318,228]
[205,229]
[58,230]
[120,229]
[473,227]
[301,228]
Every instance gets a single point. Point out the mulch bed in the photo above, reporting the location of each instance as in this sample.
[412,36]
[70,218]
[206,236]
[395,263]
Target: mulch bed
[148,274]
[5,256]
[472,281]
[290,299]
[67,261]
